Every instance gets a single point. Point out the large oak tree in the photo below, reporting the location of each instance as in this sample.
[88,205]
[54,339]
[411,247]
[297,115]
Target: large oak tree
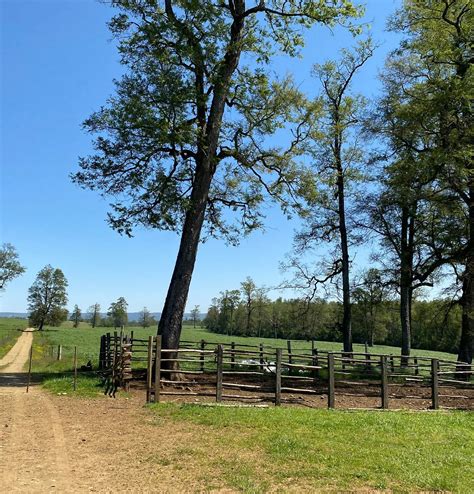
[184,137]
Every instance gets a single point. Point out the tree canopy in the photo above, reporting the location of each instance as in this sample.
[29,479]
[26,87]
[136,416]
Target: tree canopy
[47,298]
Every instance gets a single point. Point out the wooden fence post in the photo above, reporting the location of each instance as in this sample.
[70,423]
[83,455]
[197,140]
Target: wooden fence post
[232,356]
[368,358]
[288,345]
[60,352]
[201,357]
[149,375]
[315,362]
[29,369]
[220,358]
[74,386]
[384,381]
[434,383]
[157,368]
[101,352]
[417,369]
[331,380]
[278,377]
[131,341]
[126,364]
[108,355]
[392,364]
[261,357]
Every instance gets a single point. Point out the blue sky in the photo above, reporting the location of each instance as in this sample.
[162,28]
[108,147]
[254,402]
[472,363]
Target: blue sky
[58,65]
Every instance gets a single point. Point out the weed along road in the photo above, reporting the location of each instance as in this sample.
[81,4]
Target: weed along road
[33,456]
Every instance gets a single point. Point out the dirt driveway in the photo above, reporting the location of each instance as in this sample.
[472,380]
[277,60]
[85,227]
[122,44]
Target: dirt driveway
[62,444]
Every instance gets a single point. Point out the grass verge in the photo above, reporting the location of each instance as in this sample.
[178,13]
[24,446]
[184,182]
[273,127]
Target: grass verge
[86,387]
[256,450]
[10,330]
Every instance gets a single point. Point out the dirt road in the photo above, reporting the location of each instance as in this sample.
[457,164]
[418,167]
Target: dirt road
[33,457]
[54,443]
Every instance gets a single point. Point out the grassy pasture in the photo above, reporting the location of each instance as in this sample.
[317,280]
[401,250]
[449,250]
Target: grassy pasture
[57,374]
[9,332]
[297,449]
[87,341]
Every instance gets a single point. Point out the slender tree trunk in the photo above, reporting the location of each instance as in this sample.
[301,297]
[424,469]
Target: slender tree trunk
[346,289]
[406,261]
[372,327]
[466,345]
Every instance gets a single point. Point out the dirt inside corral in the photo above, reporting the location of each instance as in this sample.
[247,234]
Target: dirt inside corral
[361,395]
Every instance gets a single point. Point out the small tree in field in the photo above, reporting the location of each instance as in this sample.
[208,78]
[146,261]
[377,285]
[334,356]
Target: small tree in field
[94,315]
[118,312]
[47,298]
[146,318]
[10,267]
[195,315]
[76,316]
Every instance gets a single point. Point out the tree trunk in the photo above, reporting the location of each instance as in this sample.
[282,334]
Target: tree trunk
[172,316]
[346,289]
[173,311]
[406,261]
[466,345]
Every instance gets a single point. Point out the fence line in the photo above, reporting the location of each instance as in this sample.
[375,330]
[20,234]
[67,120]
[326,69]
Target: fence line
[265,373]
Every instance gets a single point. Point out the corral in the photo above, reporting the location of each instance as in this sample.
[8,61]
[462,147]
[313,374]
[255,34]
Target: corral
[232,372]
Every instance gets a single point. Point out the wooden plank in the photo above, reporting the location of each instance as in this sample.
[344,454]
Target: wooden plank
[220,355]
[278,377]
[149,375]
[157,368]
[434,384]
[331,381]
[232,357]
[384,382]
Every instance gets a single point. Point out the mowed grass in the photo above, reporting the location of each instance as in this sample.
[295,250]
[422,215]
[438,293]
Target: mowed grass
[279,449]
[10,330]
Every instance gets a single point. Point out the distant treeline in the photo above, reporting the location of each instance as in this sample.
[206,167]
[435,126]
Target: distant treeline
[436,325]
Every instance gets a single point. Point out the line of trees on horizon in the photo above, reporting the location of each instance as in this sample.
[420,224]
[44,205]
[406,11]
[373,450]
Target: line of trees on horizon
[248,311]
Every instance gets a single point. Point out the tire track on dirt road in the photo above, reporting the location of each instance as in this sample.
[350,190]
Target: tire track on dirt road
[33,453]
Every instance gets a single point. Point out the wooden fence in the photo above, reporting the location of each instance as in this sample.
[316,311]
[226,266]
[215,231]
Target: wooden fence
[249,373]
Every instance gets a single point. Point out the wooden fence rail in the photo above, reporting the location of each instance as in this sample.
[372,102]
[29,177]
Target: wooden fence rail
[275,374]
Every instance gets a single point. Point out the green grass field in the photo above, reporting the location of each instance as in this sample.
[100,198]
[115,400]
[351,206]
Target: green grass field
[313,450]
[9,332]
[87,341]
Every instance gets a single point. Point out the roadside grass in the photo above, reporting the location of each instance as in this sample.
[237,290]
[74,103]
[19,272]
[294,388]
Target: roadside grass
[261,449]
[10,330]
[86,386]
